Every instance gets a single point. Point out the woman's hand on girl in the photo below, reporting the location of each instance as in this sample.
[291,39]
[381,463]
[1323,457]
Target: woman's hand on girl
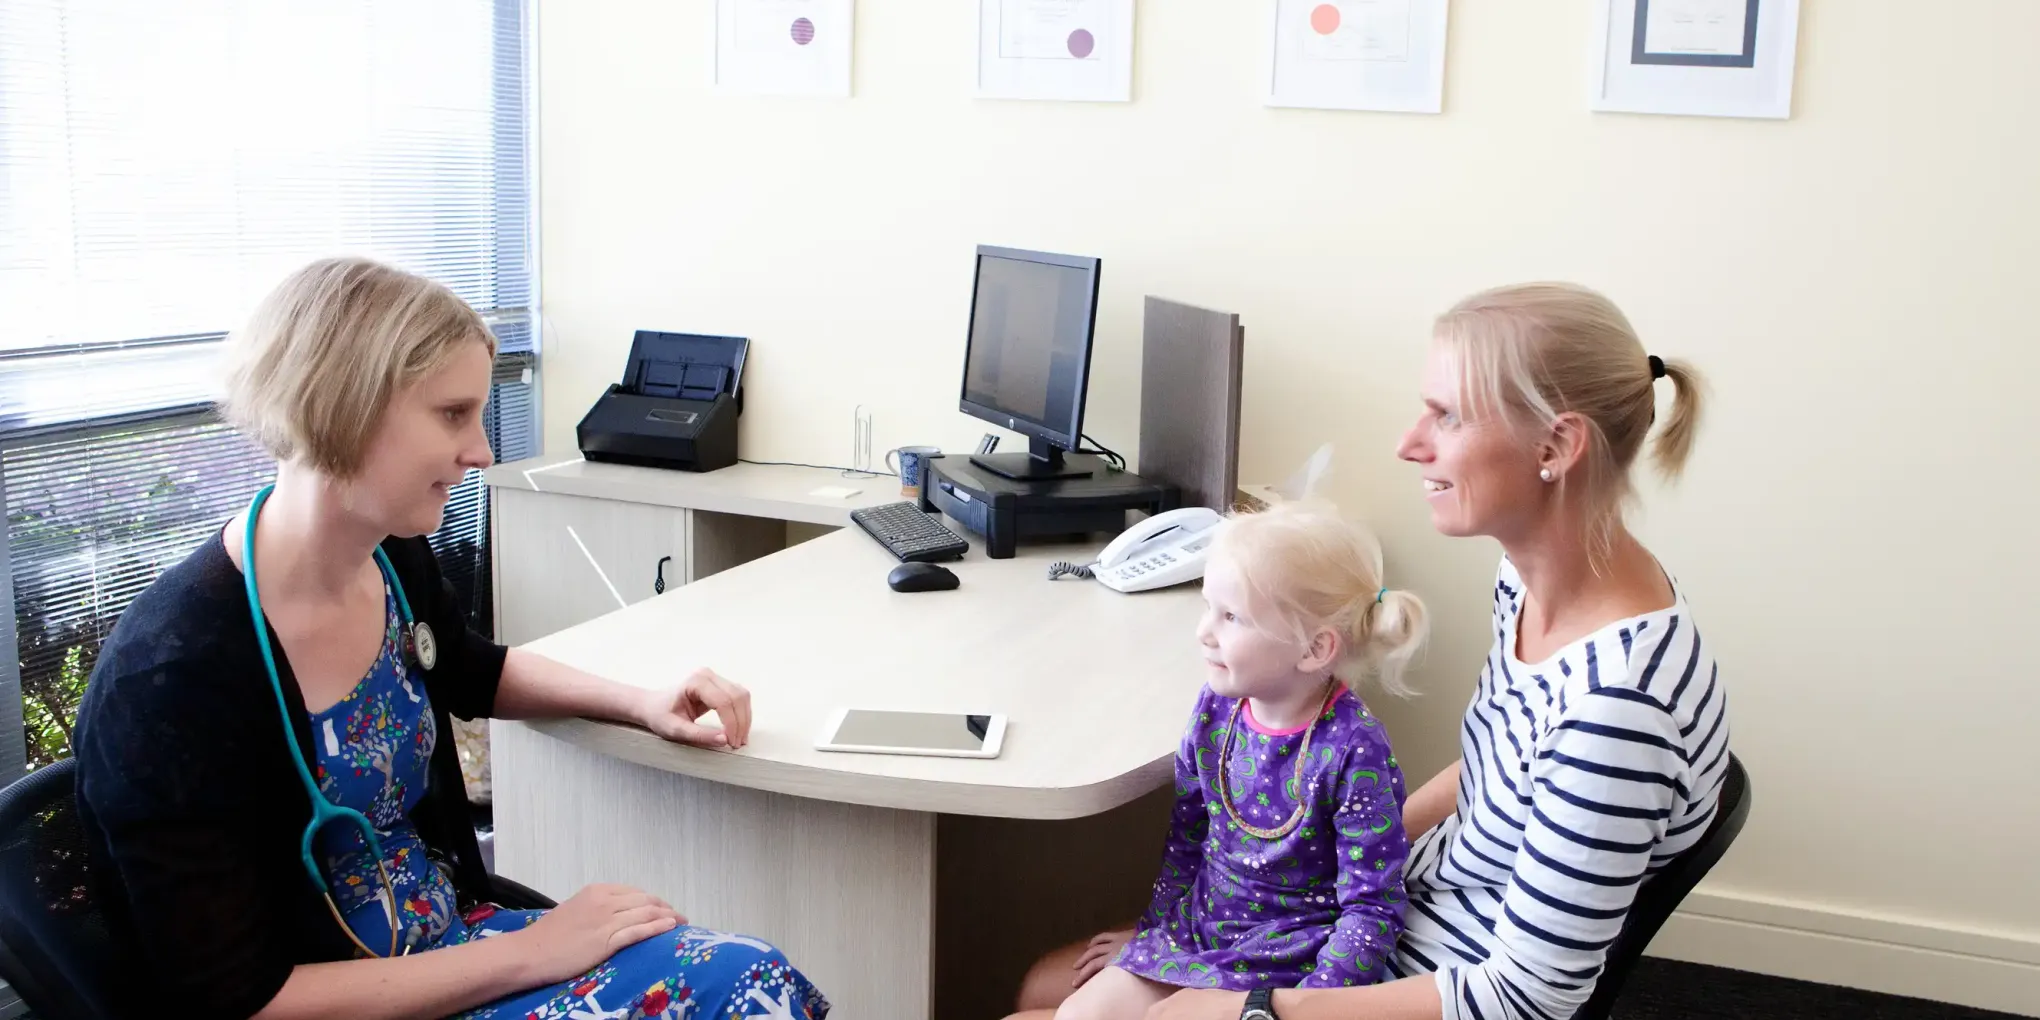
[1098,955]
[675,713]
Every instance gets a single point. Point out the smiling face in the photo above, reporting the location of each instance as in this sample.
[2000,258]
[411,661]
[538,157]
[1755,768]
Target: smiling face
[1479,475]
[429,437]
[1249,658]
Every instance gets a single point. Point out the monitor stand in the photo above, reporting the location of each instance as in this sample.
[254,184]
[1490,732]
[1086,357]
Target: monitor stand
[1041,463]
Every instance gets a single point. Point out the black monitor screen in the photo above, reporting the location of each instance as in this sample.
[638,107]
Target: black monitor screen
[1030,341]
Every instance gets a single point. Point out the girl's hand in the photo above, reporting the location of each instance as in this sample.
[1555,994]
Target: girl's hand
[675,713]
[590,928]
[1098,955]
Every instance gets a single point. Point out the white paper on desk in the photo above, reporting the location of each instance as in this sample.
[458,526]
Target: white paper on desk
[1695,26]
[1309,477]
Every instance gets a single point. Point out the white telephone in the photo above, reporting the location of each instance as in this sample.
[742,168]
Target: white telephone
[1166,549]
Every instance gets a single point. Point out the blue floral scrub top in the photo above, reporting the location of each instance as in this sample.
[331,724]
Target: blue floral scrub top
[374,748]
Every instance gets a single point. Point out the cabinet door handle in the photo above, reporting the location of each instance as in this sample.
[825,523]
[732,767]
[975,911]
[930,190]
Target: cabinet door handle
[659,580]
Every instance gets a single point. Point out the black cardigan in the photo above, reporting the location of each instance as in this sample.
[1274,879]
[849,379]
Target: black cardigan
[192,809]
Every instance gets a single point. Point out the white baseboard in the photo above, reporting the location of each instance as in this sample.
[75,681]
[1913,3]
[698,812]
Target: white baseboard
[1998,970]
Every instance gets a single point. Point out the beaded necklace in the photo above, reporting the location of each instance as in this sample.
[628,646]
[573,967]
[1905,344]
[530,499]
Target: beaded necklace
[1225,755]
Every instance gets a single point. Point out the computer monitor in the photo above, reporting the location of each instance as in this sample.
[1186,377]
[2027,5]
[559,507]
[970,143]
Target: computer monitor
[1028,359]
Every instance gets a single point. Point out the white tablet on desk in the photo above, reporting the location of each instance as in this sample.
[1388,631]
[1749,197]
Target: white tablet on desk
[941,734]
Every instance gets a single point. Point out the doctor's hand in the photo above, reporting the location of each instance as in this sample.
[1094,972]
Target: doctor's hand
[570,939]
[675,713]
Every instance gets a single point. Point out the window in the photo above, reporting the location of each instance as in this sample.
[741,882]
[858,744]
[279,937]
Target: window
[167,162]
[162,165]
[92,517]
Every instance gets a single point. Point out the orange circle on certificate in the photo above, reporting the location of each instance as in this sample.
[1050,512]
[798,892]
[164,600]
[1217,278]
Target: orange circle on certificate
[1324,19]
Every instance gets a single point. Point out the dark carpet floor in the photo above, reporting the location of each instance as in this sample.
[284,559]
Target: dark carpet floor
[1668,990]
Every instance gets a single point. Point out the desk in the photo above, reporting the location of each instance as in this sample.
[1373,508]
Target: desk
[906,887]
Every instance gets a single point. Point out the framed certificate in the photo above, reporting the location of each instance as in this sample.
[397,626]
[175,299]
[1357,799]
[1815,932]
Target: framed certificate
[1705,58]
[1384,55]
[783,47]
[1695,33]
[1068,50]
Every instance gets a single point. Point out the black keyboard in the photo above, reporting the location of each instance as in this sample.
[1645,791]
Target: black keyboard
[909,534]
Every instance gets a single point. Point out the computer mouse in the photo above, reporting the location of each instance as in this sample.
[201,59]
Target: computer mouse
[917,576]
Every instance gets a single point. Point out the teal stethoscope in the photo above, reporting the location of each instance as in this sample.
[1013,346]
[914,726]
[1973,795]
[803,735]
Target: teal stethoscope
[418,637]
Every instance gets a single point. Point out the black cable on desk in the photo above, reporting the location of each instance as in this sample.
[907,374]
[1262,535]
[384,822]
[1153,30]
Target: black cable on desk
[1100,450]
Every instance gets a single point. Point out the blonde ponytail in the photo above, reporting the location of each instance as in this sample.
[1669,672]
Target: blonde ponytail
[1674,441]
[1307,568]
[1528,353]
[1395,630]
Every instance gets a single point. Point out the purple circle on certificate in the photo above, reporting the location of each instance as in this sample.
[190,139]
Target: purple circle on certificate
[803,31]
[1081,44]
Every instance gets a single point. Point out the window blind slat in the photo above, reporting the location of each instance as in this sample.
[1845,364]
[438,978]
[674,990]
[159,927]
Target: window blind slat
[91,522]
[166,162]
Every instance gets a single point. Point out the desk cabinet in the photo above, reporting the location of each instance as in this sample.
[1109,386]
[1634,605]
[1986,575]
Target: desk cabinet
[562,560]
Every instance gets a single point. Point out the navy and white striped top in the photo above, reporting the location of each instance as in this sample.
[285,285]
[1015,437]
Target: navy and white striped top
[1580,775]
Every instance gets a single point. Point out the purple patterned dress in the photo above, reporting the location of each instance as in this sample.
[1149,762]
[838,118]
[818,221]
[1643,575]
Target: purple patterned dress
[1319,907]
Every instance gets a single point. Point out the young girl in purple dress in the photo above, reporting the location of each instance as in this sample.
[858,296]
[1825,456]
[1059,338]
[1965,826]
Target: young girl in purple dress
[1284,860]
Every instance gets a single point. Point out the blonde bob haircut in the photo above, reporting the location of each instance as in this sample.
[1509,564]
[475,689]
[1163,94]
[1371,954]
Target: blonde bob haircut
[1307,568]
[1528,353]
[313,370]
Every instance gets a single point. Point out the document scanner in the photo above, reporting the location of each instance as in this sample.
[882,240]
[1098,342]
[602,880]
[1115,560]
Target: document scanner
[676,408]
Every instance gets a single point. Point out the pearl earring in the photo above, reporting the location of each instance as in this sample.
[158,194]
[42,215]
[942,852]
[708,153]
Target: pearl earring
[1546,474]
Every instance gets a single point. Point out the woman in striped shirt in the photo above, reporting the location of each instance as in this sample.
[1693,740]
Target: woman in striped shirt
[1595,745]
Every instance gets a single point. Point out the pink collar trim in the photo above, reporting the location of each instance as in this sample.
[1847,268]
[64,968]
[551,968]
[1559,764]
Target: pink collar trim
[1247,712]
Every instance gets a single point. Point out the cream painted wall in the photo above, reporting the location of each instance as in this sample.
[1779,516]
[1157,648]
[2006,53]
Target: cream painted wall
[1858,527]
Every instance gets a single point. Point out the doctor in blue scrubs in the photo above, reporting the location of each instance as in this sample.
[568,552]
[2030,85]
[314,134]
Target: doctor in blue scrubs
[266,769]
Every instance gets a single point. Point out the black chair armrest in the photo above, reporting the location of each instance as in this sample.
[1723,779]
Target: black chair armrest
[512,896]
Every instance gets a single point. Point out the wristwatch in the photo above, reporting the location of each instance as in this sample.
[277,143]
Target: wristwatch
[1260,1005]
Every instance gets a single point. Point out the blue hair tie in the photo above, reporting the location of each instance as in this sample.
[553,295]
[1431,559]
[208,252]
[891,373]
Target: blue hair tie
[1378,595]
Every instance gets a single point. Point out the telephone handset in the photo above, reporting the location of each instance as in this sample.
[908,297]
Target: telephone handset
[1166,549]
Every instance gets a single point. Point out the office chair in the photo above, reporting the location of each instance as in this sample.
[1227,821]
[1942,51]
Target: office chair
[1661,893]
[55,949]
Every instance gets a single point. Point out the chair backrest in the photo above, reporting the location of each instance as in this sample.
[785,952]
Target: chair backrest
[55,949]
[1661,893]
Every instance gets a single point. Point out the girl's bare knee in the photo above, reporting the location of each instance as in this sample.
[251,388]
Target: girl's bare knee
[1112,995]
[1047,983]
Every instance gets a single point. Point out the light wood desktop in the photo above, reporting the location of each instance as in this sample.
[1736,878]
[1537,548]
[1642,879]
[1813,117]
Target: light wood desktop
[907,887]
